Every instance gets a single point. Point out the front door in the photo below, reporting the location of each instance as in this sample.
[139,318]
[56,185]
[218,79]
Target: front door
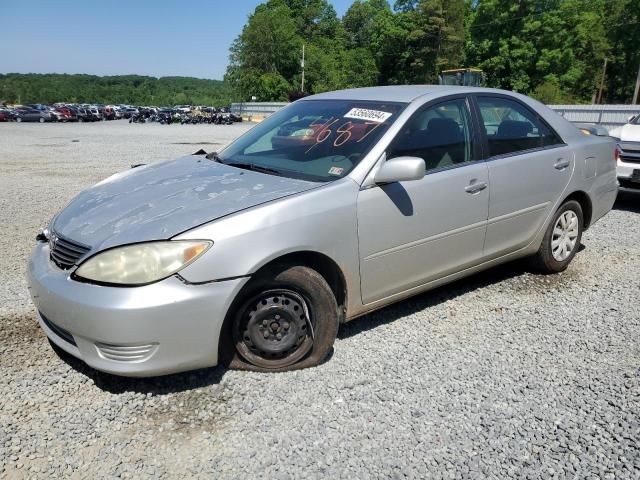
[416,231]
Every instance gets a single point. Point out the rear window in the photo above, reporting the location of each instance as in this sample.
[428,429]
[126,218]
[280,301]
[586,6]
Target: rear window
[512,128]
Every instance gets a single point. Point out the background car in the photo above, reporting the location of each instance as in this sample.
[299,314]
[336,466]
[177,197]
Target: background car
[130,111]
[7,115]
[107,112]
[28,114]
[628,154]
[65,114]
[95,112]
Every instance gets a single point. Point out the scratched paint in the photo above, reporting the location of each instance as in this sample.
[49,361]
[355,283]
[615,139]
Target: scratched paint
[161,200]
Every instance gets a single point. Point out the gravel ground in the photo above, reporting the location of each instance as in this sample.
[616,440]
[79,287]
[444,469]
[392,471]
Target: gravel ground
[505,374]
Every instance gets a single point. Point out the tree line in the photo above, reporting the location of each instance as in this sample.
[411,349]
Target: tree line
[554,50]
[119,89]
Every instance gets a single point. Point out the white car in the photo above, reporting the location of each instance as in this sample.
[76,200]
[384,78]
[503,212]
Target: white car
[628,154]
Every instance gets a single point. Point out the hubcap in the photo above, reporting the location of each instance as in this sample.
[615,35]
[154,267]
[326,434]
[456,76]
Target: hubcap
[565,235]
[274,329]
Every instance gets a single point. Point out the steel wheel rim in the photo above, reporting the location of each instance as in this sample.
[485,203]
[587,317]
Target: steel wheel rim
[274,329]
[565,235]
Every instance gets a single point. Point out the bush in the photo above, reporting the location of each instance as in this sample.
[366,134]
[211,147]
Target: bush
[551,94]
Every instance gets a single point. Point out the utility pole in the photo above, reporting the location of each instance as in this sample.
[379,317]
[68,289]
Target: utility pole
[604,71]
[637,91]
[302,65]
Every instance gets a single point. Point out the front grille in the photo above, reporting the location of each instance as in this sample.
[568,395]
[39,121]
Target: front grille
[629,152]
[629,159]
[59,331]
[64,252]
[629,184]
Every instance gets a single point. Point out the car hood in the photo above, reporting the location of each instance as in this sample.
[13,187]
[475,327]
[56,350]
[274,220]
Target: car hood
[161,200]
[627,133]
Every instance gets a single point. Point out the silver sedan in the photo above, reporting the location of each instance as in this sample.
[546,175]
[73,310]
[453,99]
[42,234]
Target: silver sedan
[337,205]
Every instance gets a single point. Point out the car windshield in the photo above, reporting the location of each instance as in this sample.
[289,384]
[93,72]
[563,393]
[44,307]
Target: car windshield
[317,140]
[635,120]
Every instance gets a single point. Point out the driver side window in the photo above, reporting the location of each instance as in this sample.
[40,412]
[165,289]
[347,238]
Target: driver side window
[439,134]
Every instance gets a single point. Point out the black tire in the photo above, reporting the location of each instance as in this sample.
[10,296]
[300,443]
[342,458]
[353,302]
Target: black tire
[544,260]
[284,319]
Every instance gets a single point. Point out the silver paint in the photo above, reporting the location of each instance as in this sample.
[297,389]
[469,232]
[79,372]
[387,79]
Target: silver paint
[161,200]
[388,241]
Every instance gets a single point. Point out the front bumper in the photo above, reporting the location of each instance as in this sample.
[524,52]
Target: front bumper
[166,327]
[628,175]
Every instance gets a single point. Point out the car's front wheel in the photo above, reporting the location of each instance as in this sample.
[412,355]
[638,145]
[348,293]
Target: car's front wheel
[561,240]
[286,319]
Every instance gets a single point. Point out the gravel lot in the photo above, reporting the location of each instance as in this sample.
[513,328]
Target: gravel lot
[505,374]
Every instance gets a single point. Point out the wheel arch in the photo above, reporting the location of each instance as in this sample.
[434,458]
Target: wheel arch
[585,202]
[321,263]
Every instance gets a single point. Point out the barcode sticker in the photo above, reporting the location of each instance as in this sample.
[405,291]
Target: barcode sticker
[369,115]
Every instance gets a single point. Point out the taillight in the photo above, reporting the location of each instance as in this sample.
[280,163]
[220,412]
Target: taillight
[616,154]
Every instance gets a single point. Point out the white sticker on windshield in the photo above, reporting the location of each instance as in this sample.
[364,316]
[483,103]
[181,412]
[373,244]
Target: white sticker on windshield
[369,115]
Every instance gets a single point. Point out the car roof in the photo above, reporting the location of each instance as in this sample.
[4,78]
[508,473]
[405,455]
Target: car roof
[411,93]
[399,93]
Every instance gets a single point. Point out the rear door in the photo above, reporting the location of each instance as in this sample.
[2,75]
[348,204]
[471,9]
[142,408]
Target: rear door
[529,169]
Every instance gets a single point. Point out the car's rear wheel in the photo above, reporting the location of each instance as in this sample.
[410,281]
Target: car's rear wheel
[286,319]
[41,119]
[19,119]
[561,240]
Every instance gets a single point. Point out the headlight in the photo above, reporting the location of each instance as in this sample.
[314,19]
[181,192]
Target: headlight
[142,263]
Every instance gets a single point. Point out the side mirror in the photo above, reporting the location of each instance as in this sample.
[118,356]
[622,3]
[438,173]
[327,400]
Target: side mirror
[590,129]
[400,169]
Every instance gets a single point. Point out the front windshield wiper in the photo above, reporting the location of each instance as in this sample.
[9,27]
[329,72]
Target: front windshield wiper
[255,168]
[246,166]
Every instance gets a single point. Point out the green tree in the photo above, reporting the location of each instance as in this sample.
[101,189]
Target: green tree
[130,89]
[437,38]
[371,25]
[268,44]
[623,25]
[265,58]
[272,86]
[536,45]
[314,18]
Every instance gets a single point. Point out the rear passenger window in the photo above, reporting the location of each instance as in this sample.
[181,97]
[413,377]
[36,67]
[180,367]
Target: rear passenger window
[511,127]
[440,135]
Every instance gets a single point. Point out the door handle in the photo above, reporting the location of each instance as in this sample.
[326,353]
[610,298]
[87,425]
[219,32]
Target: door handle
[561,164]
[475,187]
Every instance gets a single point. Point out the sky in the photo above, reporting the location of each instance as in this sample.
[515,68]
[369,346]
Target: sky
[116,37]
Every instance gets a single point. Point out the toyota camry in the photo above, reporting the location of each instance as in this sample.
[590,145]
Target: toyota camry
[336,205]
